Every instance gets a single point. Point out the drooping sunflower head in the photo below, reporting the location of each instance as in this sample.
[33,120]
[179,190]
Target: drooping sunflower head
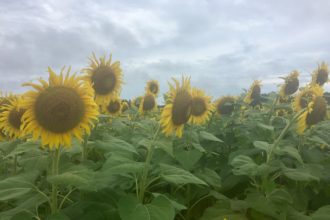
[59,109]
[253,95]
[114,106]
[225,105]
[105,78]
[152,87]
[316,112]
[148,103]
[290,85]
[11,118]
[321,74]
[201,107]
[137,101]
[177,110]
[305,96]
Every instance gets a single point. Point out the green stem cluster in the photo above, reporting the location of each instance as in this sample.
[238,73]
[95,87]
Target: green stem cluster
[55,168]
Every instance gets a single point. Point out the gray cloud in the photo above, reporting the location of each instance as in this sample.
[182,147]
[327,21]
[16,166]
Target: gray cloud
[223,45]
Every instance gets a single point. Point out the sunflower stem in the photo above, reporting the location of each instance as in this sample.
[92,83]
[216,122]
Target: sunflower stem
[280,137]
[271,111]
[84,148]
[143,183]
[55,164]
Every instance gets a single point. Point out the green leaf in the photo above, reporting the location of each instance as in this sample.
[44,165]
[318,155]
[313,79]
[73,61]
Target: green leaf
[115,145]
[208,136]
[280,196]
[262,145]
[210,176]
[291,151]
[188,158]
[299,174]
[220,211]
[244,165]
[266,127]
[179,176]
[159,209]
[322,213]
[58,216]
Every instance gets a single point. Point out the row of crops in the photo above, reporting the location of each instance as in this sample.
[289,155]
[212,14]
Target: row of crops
[71,148]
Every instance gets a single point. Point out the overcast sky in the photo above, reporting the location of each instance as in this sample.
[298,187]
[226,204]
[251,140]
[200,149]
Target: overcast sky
[222,44]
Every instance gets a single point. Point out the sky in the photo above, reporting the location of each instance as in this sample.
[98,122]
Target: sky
[222,44]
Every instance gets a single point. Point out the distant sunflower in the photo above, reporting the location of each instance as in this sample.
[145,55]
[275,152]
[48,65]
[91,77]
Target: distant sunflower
[11,118]
[105,78]
[124,106]
[152,87]
[177,110]
[4,100]
[321,74]
[59,109]
[316,112]
[225,105]
[148,103]
[137,101]
[114,106]
[201,107]
[254,94]
[305,96]
[290,85]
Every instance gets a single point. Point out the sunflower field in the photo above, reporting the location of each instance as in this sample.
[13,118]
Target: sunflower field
[71,148]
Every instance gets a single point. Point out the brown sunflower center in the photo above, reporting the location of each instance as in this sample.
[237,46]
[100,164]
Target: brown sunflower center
[322,77]
[318,113]
[226,107]
[149,103]
[15,117]
[181,109]
[59,109]
[113,107]
[153,88]
[305,99]
[198,106]
[104,80]
[291,86]
[256,90]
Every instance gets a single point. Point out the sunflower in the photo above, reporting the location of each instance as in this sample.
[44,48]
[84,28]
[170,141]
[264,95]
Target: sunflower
[11,118]
[152,87]
[306,96]
[113,107]
[148,103]
[316,112]
[177,110]
[124,106]
[201,107]
[320,75]
[253,95]
[105,78]
[225,105]
[59,109]
[290,85]
[137,101]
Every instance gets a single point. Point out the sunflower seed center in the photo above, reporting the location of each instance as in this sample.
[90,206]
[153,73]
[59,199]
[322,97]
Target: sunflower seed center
[181,109]
[104,80]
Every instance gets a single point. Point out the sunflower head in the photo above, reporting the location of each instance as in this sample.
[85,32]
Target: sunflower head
[11,118]
[104,77]
[152,87]
[290,85]
[124,106]
[225,105]
[321,74]
[114,106]
[253,95]
[316,112]
[148,103]
[305,96]
[59,109]
[177,110]
[137,101]
[201,107]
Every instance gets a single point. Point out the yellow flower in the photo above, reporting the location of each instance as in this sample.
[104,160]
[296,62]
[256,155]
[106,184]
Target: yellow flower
[11,118]
[306,96]
[225,105]
[316,112]
[320,75]
[253,95]
[124,106]
[113,107]
[152,87]
[105,78]
[59,109]
[4,100]
[177,110]
[290,85]
[201,107]
[148,103]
